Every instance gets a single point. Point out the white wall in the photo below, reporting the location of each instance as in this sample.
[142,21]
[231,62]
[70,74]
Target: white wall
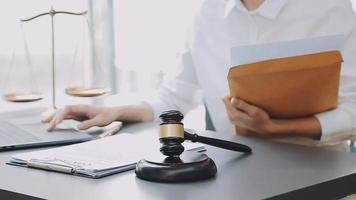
[354,4]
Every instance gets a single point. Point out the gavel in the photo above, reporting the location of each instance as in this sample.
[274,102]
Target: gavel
[172,134]
[177,165]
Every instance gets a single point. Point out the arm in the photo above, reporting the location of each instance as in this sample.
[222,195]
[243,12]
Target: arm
[259,124]
[328,127]
[340,124]
[99,116]
[180,93]
[304,127]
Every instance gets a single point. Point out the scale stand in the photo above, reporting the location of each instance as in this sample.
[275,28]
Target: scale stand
[52,13]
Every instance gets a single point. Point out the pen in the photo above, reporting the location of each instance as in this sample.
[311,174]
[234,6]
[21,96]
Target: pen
[110,131]
[51,167]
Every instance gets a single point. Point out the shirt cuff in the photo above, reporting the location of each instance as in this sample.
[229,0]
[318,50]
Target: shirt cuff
[158,108]
[336,126]
[158,105]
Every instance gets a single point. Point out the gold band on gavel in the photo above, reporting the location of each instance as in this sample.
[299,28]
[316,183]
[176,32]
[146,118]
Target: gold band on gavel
[171,130]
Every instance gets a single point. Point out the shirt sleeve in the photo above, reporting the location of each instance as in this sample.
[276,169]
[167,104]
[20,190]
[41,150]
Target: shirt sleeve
[180,92]
[340,124]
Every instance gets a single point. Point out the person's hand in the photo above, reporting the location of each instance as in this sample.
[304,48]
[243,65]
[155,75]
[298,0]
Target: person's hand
[259,124]
[249,117]
[89,115]
[100,116]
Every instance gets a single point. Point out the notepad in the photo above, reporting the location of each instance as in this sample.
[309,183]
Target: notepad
[98,158]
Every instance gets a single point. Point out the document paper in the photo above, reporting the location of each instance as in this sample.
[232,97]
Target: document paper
[98,158]
[248,54]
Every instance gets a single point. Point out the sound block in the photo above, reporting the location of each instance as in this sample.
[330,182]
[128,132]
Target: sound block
[190,166]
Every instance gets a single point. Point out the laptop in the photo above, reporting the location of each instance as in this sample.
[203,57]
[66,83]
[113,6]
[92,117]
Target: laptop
[24,130]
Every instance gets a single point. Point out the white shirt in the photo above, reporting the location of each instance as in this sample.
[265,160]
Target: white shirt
[222,24]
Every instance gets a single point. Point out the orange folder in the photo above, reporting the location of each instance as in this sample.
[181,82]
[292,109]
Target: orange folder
[289,87]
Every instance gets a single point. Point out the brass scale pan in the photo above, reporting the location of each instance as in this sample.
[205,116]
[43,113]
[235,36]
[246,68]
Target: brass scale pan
[22,97]
[85,91]
[73,91]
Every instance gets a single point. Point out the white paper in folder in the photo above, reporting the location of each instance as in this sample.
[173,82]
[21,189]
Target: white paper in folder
[248,54]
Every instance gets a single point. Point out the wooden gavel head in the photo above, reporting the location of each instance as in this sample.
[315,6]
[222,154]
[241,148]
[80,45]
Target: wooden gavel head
[171,133]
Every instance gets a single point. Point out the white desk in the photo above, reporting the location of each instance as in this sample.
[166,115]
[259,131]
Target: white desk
[273,170]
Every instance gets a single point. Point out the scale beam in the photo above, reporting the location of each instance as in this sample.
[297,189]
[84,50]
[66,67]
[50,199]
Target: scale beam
[52,13]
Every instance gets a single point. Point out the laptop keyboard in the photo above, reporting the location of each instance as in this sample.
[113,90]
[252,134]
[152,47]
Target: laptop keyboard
[11,134]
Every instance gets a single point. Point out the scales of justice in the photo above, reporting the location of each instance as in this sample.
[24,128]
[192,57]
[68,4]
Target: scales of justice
[77,91]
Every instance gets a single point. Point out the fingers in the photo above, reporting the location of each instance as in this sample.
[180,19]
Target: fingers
[69,112]
[233,113]
[48,118]
[242,105]
[58,117]
[247,116]
[96,121]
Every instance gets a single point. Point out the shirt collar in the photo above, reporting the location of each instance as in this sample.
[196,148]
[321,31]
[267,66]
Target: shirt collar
[269,8]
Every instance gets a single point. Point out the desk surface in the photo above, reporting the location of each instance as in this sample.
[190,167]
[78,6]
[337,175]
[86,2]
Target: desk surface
[273,170]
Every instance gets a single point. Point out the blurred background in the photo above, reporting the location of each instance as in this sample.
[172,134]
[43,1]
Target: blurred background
[130,36]
[128,46]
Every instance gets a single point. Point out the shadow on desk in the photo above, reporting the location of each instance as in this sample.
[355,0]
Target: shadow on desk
[15,196]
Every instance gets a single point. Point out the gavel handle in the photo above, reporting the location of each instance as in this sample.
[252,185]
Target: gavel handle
[217,143]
